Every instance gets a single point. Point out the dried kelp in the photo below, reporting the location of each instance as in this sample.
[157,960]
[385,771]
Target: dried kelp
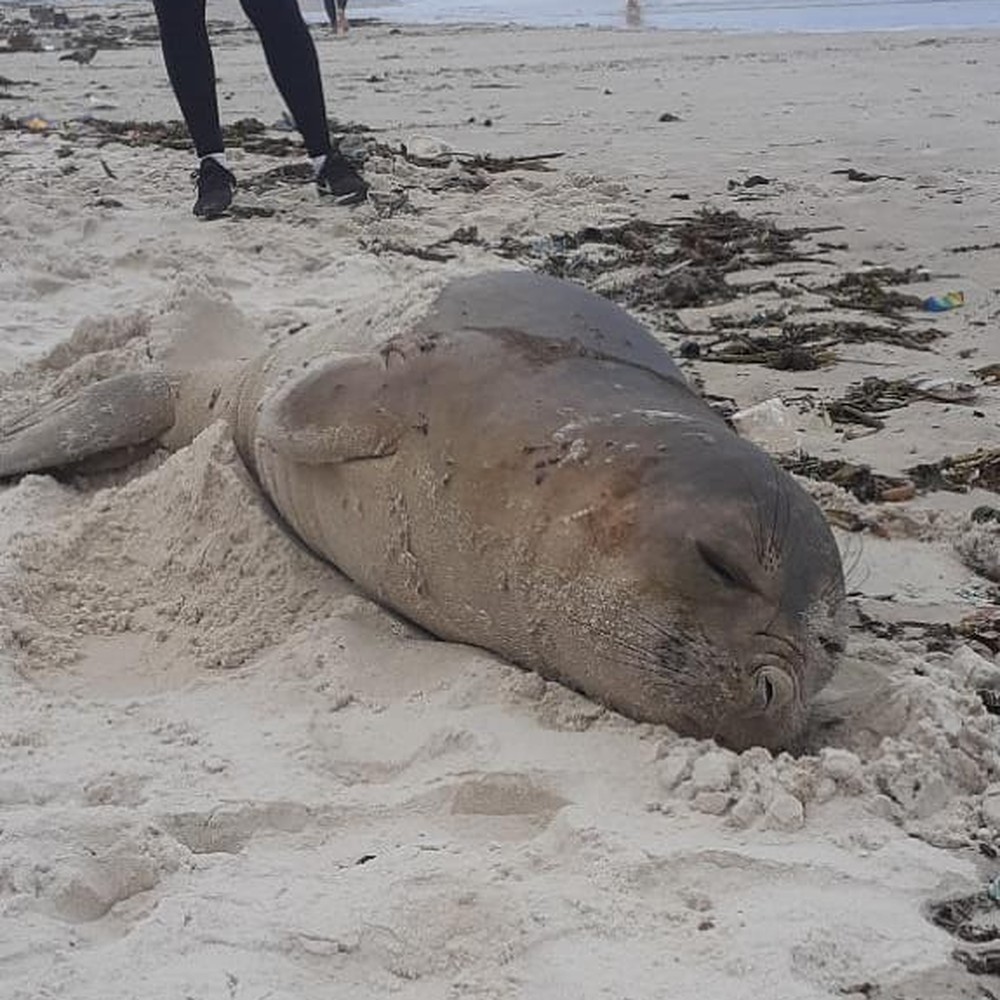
[857,479]
[979,469]
[783,352]
[249,134]
[983,626]
[872,291]
[661,267]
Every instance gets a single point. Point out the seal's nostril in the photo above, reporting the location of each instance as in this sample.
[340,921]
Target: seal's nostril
[767,688]
[773,688]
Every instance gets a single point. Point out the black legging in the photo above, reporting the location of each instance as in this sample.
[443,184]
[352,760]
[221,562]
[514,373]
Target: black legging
[291,57]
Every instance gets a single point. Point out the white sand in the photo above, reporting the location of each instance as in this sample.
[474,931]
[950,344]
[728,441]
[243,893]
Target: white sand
[225,774]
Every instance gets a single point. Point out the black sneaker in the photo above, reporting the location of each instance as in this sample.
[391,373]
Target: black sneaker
[341,181]
[215,189]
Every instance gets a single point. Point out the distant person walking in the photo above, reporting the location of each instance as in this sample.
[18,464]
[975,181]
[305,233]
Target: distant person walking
[291,57]
[336,11]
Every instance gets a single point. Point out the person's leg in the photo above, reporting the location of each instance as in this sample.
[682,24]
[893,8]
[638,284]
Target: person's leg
[188,57]
[291,57]
[336,12]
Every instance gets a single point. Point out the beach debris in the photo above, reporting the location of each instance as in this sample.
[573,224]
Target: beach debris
[249,134]
[980,469]
[424,156]
[669,116]
[770,424]
[251,211]
[754,180]
[658,267]
[974,248]
[100,103]
[978,542]
[862,177]
[19,39]
[463,235]
[33,123]
[877,395]
[808,345]
[783,352]
[982,626]
[867,291]
[990,700]
[981,962]
[429,253]
[287,173]
[48,17]
[990,374]
[856,478]
[943,303]
[898,494]
[842,411]
[427,150]
[944,390]
[970,918]
[993,889]
[81,57]
[499,164]
[854,332]
[99,33]
[390,203]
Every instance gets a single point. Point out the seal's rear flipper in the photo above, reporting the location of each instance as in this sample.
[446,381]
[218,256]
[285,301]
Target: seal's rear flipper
[106,417]
[338,412]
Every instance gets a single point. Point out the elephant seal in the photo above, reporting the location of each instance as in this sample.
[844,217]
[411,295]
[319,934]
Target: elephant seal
[523,469]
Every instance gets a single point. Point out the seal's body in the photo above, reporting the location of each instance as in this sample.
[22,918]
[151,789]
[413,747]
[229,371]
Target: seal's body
[525,469]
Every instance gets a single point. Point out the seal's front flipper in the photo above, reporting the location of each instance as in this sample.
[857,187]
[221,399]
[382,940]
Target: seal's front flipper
[338,412]
[106,417]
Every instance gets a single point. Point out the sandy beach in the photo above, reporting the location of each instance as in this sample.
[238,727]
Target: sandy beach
[225,773]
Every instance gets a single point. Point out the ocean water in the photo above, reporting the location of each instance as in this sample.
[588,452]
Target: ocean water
[723,15]
[704,15]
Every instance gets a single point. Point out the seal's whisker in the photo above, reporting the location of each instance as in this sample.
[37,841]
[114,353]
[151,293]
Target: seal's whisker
[616,637]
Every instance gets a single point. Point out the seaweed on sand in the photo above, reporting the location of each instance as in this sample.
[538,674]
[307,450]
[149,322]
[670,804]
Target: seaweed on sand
[872,291]
[802,346]
[664,266]
[249,134]
[857,479]
[980,468]
[783,352]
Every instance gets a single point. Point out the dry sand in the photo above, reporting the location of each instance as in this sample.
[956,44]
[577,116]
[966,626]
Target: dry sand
[226,774]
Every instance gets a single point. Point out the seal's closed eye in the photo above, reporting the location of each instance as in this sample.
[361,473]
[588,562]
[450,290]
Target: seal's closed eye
[725,571]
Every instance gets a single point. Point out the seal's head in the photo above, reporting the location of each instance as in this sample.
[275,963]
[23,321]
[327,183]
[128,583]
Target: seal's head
[737,615]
